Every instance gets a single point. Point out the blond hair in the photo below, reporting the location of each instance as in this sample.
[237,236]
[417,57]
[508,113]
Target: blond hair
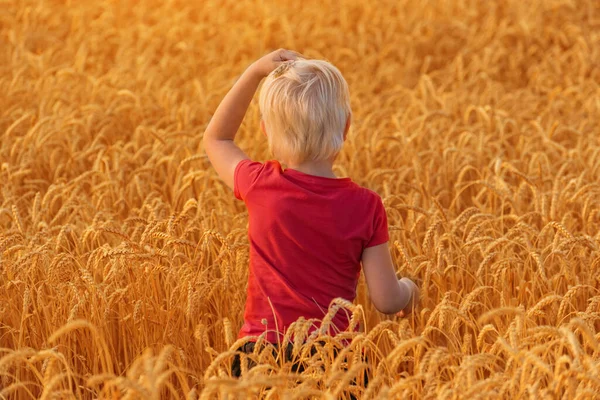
[305,105]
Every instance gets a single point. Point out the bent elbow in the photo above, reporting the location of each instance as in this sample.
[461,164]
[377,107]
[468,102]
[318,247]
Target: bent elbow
[205,138]
[207,143]
[395,299]
[388,307]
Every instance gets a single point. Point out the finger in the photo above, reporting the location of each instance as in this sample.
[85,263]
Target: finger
[296,54]
[290,55]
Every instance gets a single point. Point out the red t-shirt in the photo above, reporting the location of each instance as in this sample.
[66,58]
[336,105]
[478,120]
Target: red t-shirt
[307,234]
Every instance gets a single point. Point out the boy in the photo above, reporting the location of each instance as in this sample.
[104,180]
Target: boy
[309,231]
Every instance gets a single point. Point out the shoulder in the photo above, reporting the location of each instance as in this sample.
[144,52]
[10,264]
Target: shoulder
[249,174]
[273,165]
[365,199]
[256,168]
[369,195]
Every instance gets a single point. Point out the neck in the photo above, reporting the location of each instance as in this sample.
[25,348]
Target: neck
[317,168]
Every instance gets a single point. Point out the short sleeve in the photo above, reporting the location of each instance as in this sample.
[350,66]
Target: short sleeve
[245,176]
[380,225]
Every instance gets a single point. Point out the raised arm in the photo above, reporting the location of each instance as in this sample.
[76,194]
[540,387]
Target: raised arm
[388,294]
[222,152]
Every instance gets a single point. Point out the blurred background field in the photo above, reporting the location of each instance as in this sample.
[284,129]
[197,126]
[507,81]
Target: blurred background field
[123,258]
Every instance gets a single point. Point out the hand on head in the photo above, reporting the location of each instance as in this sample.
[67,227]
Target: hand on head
[267,64]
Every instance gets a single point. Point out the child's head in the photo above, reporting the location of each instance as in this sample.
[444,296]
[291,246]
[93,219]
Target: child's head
[305,108]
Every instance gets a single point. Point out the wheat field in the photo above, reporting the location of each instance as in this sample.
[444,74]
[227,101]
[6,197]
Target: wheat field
[123,257]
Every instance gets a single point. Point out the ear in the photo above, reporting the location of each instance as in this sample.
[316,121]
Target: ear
[347,128]
[262,127]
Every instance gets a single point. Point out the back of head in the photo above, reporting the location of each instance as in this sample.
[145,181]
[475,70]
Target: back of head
[305,105]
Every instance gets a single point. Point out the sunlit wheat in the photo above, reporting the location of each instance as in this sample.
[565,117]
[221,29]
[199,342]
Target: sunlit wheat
[123,257]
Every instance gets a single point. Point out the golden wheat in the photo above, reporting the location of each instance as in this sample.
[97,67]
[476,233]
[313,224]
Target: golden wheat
[123,257]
